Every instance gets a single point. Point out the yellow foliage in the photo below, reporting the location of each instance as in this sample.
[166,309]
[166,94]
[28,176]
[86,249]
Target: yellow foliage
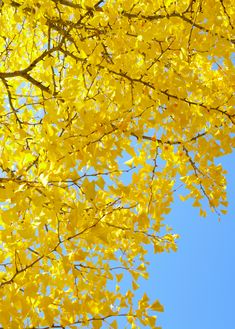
[107,109]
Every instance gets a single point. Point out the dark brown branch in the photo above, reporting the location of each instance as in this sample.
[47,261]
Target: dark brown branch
[226,13]
[11,102]
[6,282]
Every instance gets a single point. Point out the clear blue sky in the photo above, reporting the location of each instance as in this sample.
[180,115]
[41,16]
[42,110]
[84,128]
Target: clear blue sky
[197,283]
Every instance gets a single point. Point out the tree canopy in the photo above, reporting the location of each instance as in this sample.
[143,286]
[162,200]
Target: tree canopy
[108,110]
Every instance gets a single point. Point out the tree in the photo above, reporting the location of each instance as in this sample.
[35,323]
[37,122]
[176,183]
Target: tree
[107,109]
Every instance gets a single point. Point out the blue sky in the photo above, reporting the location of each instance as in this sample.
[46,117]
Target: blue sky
[196,284]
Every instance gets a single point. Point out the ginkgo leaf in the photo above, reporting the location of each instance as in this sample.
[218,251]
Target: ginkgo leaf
[129,162]
[44,179]
[156,306]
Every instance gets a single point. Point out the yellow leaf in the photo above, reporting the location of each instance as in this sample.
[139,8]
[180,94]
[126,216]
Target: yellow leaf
[43,179]
[156,306]
[119,277]
[114,324]
[135,286]
[129,162]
